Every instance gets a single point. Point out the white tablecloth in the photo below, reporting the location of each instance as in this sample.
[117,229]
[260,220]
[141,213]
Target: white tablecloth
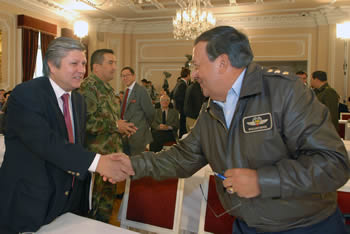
[73,224]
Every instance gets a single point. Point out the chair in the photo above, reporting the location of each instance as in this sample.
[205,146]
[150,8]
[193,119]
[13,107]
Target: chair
[344,115]
[153,205]
[342,123]
[208,223]
[344,204]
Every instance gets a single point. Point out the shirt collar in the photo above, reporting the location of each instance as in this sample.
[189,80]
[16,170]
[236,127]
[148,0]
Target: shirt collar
[57,89]
[132,86]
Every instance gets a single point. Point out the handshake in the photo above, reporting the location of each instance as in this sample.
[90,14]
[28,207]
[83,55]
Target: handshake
[115,167]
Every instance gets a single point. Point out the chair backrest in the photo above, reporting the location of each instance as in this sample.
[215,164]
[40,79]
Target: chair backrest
[344,115]
[208,223]
[344,205]
[153,205]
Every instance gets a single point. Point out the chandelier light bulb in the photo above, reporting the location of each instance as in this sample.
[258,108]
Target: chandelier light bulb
[178,15]
[191,20]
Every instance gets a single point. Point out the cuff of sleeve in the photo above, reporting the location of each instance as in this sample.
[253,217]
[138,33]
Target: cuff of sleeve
[269,182]
[94,163]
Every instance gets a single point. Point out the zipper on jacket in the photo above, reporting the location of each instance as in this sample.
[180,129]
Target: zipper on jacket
[216,118]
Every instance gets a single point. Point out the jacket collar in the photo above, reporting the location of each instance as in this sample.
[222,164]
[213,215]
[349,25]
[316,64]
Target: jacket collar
[322,88]
[252,81]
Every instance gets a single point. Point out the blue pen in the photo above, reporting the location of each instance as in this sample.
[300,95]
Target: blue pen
[220,176]
[230,190]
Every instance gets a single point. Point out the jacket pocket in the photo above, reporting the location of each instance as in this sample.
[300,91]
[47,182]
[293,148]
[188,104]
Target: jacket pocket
[29,206]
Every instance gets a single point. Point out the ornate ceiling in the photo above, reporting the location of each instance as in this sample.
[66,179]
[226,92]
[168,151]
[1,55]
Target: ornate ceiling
[152,14]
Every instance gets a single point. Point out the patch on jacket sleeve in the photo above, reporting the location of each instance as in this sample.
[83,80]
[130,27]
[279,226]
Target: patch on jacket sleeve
[257,123]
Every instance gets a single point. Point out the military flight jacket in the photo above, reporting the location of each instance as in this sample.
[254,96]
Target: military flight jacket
[279,129]
[102,114]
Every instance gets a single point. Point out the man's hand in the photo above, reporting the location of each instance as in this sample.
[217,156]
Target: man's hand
[116,167]
[244,182]
[126,128]
[163,127]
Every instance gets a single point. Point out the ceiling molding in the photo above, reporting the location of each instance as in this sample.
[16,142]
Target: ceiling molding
[45,7]
[308,17]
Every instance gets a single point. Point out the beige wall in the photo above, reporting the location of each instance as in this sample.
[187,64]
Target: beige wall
[150,55]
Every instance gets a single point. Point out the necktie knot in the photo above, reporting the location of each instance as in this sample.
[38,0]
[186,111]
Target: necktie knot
[65,97]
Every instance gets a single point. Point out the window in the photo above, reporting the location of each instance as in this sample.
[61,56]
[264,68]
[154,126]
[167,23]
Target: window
[39,61]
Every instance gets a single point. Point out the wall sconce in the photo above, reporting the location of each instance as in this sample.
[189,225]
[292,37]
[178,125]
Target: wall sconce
[81,28]
[343,32]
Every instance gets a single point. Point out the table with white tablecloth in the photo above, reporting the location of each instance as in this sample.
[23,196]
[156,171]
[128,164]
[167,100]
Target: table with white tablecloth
[69,223]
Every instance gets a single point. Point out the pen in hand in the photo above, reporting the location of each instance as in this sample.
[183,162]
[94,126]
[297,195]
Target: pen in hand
[230,190]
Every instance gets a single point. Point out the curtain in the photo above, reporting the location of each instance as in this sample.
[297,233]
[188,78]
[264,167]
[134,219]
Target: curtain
[45,40]
[29,52]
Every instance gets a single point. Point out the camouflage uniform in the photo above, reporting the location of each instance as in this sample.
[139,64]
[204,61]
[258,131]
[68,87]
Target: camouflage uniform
[102,137]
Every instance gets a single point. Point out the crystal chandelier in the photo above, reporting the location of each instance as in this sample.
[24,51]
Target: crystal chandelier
[191,20]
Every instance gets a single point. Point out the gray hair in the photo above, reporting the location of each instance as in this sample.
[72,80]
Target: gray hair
[227,40]
[57,50]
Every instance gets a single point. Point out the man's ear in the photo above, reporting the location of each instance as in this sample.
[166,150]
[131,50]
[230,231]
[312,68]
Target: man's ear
[223,63]
[52,67]
[95,67]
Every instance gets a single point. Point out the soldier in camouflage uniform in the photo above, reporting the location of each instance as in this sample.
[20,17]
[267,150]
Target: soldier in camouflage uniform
[104,129]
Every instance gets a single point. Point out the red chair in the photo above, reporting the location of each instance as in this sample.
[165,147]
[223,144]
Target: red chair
[341,130]
[344,115]
[344,205]
[153,205]
[208,222]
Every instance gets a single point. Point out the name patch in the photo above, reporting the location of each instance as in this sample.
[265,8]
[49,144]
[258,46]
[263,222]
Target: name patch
[257,123]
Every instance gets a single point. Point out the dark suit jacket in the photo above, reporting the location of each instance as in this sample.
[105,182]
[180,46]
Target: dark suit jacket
[36,175]
[179,95]
[193,100]
[140,111]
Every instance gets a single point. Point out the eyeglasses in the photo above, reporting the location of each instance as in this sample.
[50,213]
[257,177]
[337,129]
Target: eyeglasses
[125,76]
[212,210]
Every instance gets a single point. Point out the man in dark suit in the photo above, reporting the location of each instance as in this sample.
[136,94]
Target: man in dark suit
[179,97]
[136,108]
[45,172]
[193,102]
[164,125]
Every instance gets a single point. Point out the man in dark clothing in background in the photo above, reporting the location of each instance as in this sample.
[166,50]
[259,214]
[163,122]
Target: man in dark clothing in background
[193,102]
[326,94]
